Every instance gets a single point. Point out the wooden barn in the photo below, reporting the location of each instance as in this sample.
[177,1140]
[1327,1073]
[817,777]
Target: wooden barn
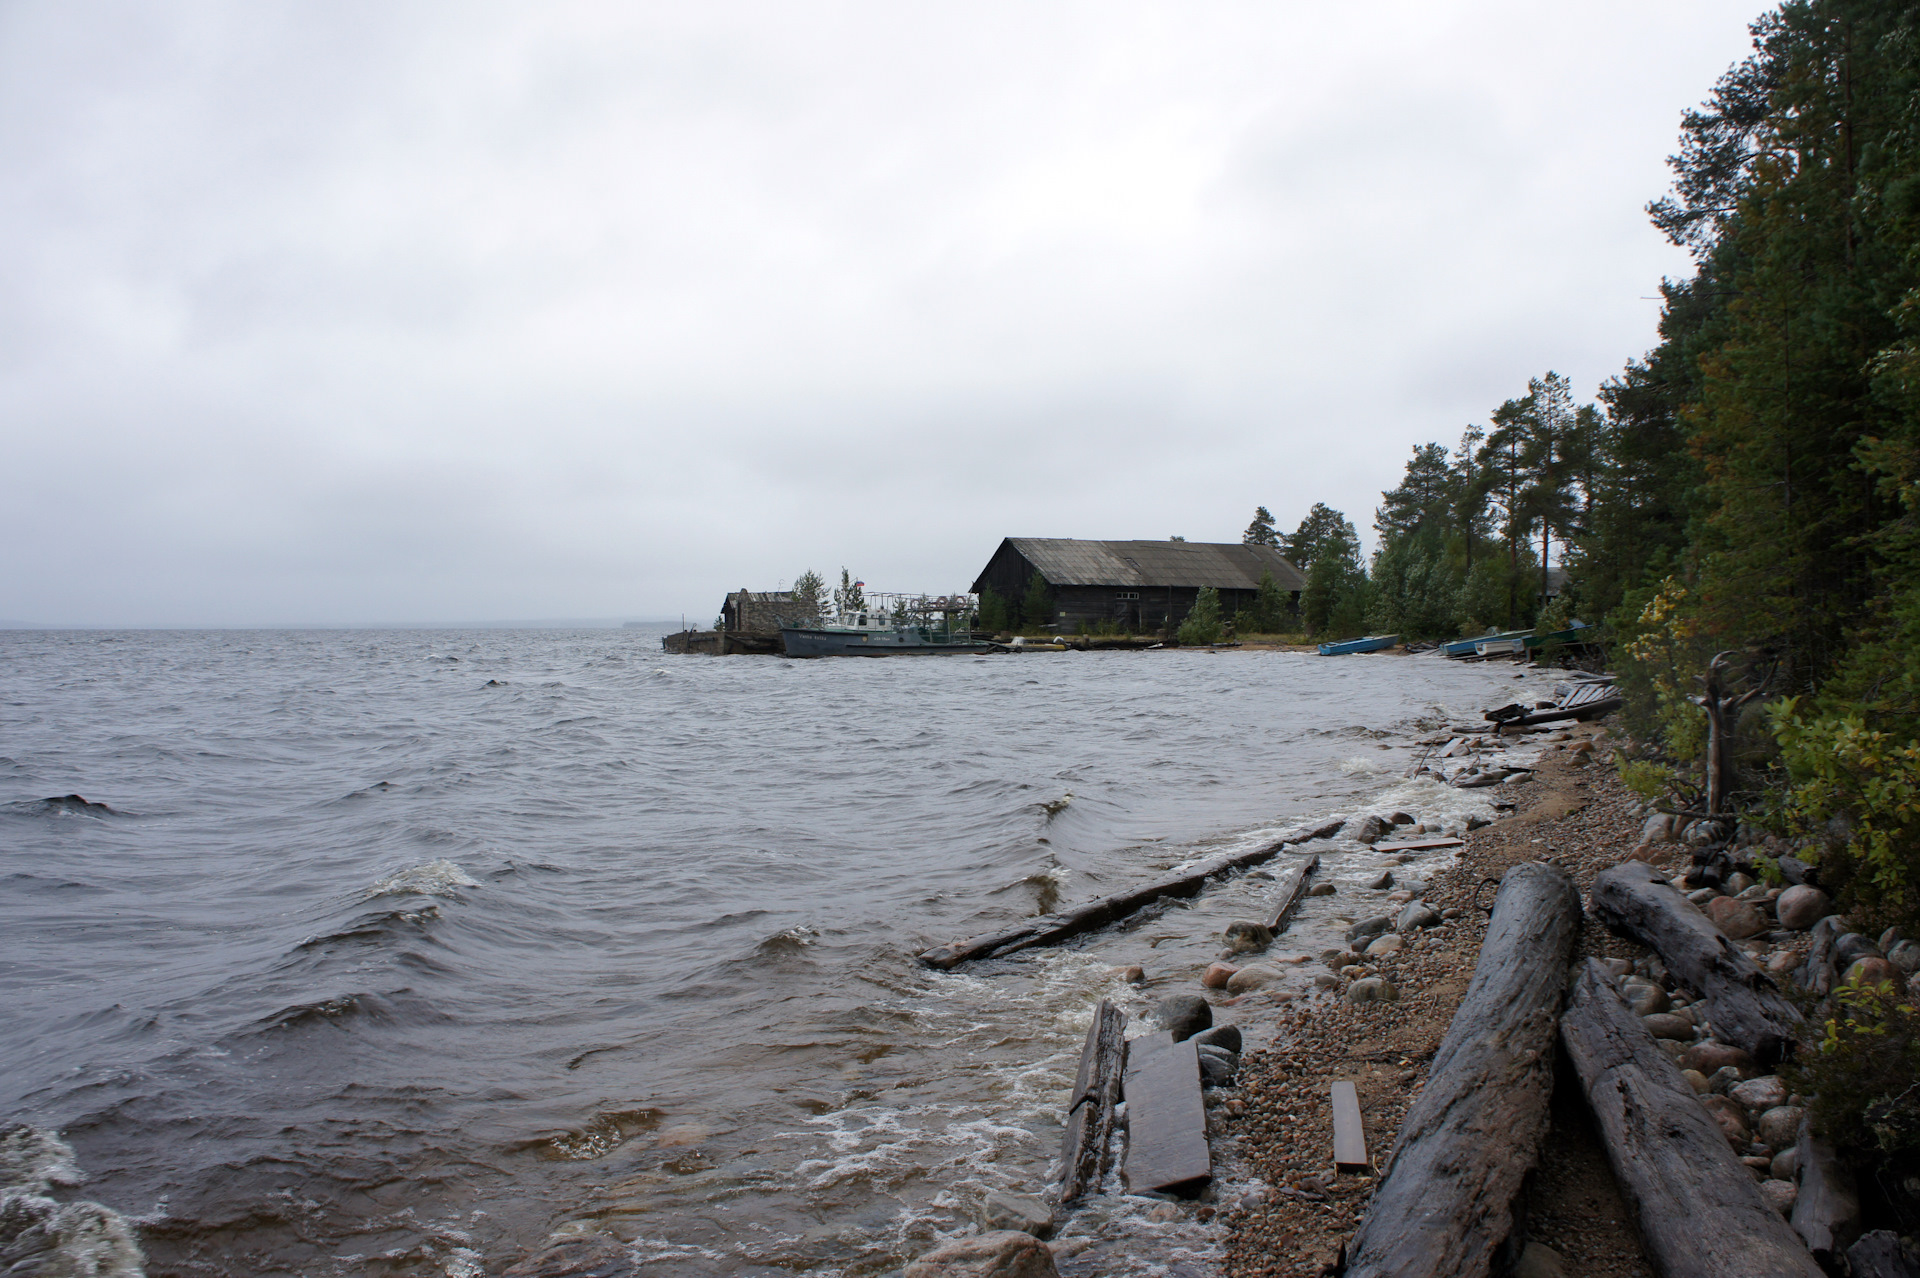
[1140,586]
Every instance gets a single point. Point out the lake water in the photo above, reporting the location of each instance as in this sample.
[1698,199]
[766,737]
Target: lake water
[398,952]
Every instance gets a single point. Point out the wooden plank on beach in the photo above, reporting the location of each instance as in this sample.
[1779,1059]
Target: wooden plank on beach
[1700,1211]
[1419,845]
[1293,884]
[1447,1203]
[1085,1153]
[1747,1009]
[1349,1135]
[1051,929]
[1166,1117]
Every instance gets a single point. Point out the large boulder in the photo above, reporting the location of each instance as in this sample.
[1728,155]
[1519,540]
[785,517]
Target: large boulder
[1760,1094]
[1644,997]
[1709,1057]
[1738,919]
[1367,929]
[1366,829]
[1801,906]
[1249,979]
[1248,938]
[1873,971]
[1023,1213]
[1667,1025]
[1372,989]
[1731,1118]
[1779,1126]
[1003,1253]
[1416,914]
[1184,1014]
[1225,1037]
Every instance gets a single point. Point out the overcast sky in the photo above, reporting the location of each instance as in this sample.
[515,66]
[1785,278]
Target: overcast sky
[412,312]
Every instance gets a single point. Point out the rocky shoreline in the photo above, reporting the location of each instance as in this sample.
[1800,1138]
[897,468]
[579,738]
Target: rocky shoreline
[1575,815]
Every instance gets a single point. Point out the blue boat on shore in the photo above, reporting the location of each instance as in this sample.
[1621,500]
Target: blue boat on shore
[1469,647]
[1372,643]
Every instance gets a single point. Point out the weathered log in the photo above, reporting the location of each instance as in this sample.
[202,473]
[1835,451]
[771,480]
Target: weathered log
[1701,1214]
[1747,1009]
[1293,885]
[1881,1254]
[1051,929]
[1446,1203]
[1167,1149]
[1827,1212]
[1086,1152]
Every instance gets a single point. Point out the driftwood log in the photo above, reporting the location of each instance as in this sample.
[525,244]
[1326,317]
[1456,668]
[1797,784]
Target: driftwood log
[1827,1212]
[1293,885]
[1700,1212]
[1086,1152]
[1446,1204]
[1881,1254]
[1747,1009]
[1051,929]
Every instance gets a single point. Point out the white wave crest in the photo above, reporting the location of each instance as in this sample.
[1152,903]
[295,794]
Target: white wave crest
[435,878]
[75,1240]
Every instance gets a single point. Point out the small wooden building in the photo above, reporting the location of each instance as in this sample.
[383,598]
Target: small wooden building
[760,611]
[1141,586]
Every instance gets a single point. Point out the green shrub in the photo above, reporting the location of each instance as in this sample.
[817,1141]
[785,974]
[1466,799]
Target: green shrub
[1864,1074]
[1857,789]
[1202,625]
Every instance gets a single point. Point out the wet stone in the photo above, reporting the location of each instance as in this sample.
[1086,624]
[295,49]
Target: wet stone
[1184,1015]
[1004,1253]
[1022,1212]
[1248,938]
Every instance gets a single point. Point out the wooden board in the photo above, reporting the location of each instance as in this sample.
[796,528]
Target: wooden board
[1700,1212]
[1292,885]
[1827,1213]
[1419,845]
[1447,1203]
[1052,929]
[1349,1136]
[1166,1117]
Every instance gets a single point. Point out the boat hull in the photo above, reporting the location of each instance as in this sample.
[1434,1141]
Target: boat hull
[1372,643]
[801,642]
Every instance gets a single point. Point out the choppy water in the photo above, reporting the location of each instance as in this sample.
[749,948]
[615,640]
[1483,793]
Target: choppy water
[397,952]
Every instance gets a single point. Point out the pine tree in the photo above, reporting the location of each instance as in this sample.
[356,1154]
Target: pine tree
[1261,531]
[1036,608]
[808,594]
[1202,624]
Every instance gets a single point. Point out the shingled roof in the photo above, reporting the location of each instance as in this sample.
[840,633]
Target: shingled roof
[1064,561]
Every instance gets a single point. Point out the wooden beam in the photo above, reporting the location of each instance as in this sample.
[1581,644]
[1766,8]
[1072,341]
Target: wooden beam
[1446,1204]
[1349,1135]
[1419,845]
[1747,1009]
[1700,1212]
[1086,1153]
[1293,884]
[1167,1148]
[1051,929]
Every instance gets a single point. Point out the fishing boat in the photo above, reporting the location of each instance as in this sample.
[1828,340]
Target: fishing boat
[1372,643]
[890,625]
[1465,647]
[1500,646]
[1577,633]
